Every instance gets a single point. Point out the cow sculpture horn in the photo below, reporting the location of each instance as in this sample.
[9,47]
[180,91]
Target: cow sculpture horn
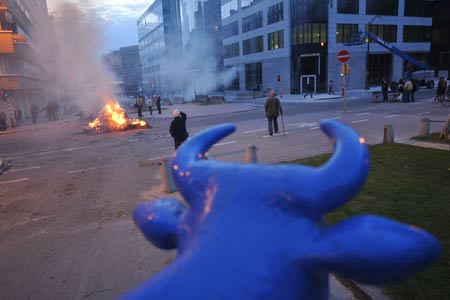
[300,187]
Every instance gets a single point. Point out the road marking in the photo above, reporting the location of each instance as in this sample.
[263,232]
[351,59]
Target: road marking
[256,130]
[61,150]
[275,134]
[392,116]
[156,158]
[87,169]
[360,121]
[13,181]
[424,113]
[314,128]
[295,124]
[32,220]
[225,143]
[363,114]
[336,118]
[24,169]
[420,102]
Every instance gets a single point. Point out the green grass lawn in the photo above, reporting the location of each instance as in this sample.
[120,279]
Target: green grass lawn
[411,185]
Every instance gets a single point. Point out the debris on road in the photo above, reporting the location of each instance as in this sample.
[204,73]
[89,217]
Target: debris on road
[4,166]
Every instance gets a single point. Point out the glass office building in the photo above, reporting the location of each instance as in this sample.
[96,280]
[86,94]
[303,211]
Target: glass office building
[298,40]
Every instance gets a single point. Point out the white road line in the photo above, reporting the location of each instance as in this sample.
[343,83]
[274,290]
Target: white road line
[363,114]
[166,148]
[24,169]
[424,113]
[156,158]
[13,181]
[360,121]
[295,124]
[61,150]
[275,134]
[420,102]
[392,116]
[336,118]
[226,143]
[256,130]
[314,128]
[87,169]
[32,220]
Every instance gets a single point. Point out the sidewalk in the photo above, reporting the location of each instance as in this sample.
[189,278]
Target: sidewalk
[40,124]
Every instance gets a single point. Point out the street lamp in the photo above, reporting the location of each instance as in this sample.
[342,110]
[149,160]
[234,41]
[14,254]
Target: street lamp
[369,29]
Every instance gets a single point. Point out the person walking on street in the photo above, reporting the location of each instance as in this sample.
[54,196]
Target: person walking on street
[384,89]
[34,112]
[330,88]
[309,90]
[408,88]
[273,110]
[150,104]
[442,86]
[158,103]
[139,105]
[178,128]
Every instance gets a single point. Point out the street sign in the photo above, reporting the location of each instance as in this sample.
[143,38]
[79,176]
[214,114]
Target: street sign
[345,69]
[343,56]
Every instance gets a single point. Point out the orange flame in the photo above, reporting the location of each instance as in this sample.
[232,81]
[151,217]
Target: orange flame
[114,117]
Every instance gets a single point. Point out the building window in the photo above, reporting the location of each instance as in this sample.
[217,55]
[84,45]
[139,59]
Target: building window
[348,6]
[234,84]
[382,7]
[230,30]
[252,22]
[253,76]
[310,33]
[418,8]
[416,34]
[345,33]
[248,3]
[441,35]
[275,13]
[231,50]
[229,8]
[275,40]
[387,33]
[253,45]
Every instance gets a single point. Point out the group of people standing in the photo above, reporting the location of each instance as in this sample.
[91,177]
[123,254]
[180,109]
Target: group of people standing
[405,90]
[150,102]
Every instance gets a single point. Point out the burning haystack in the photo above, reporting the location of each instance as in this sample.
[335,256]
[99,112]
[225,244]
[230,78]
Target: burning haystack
[114,118]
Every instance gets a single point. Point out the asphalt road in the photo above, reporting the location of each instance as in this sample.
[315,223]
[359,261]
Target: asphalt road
[66,230]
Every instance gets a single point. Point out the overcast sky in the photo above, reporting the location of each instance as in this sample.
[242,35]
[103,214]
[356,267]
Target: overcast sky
[117,17]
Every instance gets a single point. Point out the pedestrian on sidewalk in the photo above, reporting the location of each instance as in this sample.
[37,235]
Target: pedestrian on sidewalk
[139,105]
[309,90]
[158,103]
[34,112]
[273,110]
[330,88]
[150,104]
[178,128]
[384,89]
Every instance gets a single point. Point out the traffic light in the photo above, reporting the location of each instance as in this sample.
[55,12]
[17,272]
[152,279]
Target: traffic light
[278,77]
[342,74]
[4,94]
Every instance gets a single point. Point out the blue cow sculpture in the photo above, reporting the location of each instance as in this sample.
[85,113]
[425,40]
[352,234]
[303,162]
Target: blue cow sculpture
[257,231]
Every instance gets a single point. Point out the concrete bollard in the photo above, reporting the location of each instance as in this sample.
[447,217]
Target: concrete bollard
[168,183]
[388,137]
[250,154]
[424,127]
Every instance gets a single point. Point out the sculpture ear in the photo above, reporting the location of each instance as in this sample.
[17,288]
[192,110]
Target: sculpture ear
[159,221]
[373,250]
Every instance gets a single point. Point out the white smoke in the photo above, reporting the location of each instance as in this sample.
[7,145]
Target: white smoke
[71,54]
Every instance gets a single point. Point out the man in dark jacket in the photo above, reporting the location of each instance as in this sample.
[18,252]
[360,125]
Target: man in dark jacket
[385,89]
[178,128]
[273,109]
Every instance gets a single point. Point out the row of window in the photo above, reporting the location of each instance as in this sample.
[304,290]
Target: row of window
[311,33]
[230,7]
[254,21]
[413,8]
[275,40]
[411,34]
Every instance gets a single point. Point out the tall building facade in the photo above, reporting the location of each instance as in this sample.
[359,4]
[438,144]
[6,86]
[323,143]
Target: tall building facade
[299,40]
[126,66]
[160,44]
[180,45]
[23,77]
